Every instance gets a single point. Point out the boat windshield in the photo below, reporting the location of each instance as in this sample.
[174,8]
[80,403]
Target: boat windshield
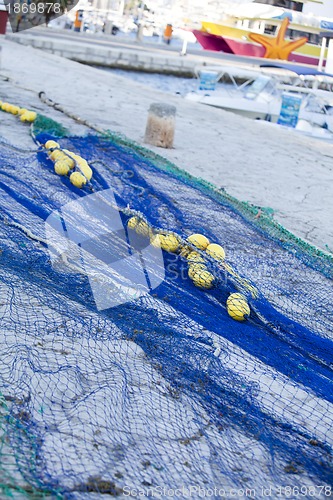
[260,84]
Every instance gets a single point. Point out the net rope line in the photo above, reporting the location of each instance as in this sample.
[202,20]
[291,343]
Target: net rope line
[58,107]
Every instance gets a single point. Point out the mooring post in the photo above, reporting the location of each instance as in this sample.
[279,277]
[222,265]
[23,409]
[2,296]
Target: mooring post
[160,129]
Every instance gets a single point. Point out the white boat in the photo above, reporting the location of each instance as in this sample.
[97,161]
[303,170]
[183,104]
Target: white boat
[266,89]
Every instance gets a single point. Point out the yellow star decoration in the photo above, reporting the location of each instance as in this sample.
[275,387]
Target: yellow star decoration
[278,47]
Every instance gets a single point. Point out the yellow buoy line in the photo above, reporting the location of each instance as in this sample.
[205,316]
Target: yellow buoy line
[24,114]
[196,249]
[67,163]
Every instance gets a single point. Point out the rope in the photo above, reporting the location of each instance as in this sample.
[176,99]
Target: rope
[43,97]
[16,148]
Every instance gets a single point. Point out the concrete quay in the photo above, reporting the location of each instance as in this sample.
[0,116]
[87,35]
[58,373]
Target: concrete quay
[117,52]
[112,56]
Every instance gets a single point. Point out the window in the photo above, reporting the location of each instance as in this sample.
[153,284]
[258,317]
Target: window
[314,39]
[286,4]
[270,29]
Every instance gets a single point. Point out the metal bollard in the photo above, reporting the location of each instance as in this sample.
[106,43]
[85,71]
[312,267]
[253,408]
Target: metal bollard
[160,129]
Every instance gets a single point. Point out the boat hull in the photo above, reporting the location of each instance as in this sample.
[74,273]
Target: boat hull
[265,110]
[244,48]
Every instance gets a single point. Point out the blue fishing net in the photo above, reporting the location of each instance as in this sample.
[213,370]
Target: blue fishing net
[165,392]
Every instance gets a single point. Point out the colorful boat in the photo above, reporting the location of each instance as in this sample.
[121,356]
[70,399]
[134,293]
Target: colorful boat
[264,25]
